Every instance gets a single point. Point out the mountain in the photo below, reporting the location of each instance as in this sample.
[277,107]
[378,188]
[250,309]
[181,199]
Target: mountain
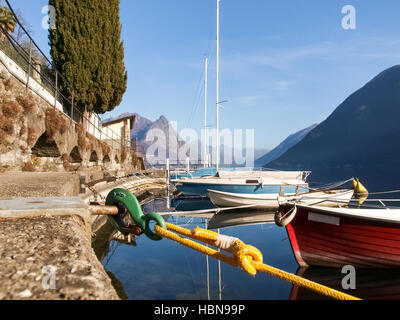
[359,139]
[141,127]
[288,143]
[258,153]
[144,128]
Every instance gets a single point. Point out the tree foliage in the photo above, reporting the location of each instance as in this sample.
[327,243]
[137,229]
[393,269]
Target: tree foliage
[7,20]
[86,48]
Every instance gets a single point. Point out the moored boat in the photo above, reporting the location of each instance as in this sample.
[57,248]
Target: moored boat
[205,172]
[271,201]
[335,237]
[227,180]
[247,182]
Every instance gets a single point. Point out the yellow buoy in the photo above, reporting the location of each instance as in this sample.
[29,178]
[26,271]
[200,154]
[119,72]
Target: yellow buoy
[355,183]
[358,187]
[360,191]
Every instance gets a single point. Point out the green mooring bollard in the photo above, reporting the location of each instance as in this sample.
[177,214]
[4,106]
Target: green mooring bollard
[124,199]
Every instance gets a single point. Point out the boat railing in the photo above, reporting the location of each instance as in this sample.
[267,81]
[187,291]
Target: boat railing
[191,176]
[305,175]
[379,203]
[357,203]
[319,201]
[266,169]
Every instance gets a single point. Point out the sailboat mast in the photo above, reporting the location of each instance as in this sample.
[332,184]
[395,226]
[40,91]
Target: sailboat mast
[217,105]
[205,114]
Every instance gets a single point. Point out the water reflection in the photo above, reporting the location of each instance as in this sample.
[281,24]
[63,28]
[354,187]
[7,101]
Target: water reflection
[189,204]
[371,284]
[231,219]
[164,270]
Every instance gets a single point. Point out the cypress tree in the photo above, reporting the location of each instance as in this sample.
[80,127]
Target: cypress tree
[86,48]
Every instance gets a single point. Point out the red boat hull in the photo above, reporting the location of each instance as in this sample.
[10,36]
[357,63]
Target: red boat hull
[352,241]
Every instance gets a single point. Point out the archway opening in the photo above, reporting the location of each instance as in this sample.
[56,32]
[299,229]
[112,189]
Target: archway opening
[75,155]
[46,147]
[106,159]
[93,157]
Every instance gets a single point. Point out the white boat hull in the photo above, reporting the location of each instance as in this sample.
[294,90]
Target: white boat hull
[332,199]
[272,201]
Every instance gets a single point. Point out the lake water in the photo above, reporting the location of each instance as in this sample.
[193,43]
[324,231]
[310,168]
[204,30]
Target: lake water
[165,270]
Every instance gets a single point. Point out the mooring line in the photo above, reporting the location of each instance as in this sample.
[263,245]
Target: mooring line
[244,256]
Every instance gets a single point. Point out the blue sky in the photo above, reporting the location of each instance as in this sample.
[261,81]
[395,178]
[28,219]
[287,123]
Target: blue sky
[285,64]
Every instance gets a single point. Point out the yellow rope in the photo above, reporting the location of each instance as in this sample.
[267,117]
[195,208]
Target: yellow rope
[244,253]
[245,256]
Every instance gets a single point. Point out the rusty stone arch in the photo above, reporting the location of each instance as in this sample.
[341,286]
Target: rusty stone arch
[94,157]
[106,159]
[75,155]
[46,147]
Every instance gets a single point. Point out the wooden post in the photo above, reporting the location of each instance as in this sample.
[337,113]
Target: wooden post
[72,105]
[167,172]
[100,126]
[29,65]
[82,185]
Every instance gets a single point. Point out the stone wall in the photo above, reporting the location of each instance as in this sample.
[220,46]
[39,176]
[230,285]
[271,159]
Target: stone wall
[59,243]
[35,136]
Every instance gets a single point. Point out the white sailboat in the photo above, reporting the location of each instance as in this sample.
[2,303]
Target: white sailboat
[250,182]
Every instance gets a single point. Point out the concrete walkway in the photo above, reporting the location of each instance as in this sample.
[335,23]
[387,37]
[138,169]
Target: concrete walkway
[38,184]
[46,251]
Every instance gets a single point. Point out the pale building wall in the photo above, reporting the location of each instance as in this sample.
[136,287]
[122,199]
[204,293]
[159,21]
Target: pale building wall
[35,86]
[121,128]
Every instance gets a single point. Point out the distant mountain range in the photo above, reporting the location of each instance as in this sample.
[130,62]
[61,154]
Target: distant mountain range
[359,139]
[289,142]
[141,127]
[144,126]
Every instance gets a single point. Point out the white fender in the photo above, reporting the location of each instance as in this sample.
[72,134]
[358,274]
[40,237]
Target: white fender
[285,220]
